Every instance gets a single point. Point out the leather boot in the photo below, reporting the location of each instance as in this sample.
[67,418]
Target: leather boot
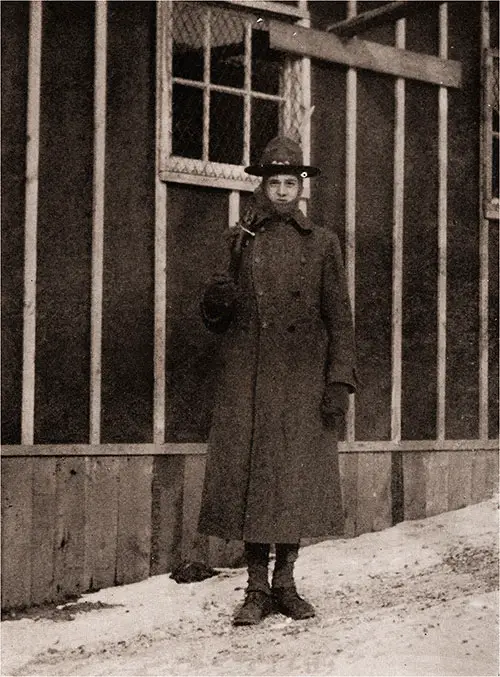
[255,608]
[258,601]
[286,600]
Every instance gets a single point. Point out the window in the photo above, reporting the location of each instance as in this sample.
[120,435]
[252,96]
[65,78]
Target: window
[226,93]
[491,135]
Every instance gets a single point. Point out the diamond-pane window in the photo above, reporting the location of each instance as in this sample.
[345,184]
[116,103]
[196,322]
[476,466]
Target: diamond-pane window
[227,93]
[491,136]
[494,130]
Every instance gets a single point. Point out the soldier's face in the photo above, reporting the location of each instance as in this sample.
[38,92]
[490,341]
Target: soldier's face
[282,189]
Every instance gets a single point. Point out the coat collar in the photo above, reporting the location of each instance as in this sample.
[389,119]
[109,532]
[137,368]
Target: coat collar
[259,212]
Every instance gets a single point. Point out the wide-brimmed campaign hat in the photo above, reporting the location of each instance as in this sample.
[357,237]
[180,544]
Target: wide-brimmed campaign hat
[282,156]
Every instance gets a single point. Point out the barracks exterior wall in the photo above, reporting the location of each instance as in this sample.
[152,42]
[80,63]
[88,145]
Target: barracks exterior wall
[374,194]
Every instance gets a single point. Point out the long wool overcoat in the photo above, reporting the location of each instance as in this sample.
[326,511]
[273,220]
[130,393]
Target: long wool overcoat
[272,473]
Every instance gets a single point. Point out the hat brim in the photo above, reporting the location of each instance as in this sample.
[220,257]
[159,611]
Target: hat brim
[303,171]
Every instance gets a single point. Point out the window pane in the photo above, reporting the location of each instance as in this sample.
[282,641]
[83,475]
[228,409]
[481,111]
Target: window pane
[264,126]
[267,64]
[188,39]
[226,128]
[187,121]
[227,56]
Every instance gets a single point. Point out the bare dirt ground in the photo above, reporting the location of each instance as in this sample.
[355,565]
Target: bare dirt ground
[418,599]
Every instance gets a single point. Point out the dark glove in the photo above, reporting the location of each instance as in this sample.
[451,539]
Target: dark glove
[335,404]
[220,296]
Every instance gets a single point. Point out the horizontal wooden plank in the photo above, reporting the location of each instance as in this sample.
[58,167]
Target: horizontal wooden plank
[418,445]
[268,7]
[146,449]
[150,449]
[365,55]
[391,11]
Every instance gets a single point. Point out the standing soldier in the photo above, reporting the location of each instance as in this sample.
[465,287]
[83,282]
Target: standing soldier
[272,472]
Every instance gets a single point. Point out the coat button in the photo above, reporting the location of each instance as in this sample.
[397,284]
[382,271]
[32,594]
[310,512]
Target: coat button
[260,293]
[264,325]
[257,259]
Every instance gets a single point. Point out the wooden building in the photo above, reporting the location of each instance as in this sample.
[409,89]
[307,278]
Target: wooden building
[125,129]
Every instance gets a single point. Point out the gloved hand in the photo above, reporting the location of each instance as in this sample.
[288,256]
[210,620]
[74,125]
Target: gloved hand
[335,404]
[220,295]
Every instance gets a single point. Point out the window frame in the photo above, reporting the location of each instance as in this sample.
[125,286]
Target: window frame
[490,203]
[179,169]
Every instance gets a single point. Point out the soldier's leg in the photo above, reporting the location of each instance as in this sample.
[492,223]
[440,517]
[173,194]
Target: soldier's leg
[284,592]
[258,602]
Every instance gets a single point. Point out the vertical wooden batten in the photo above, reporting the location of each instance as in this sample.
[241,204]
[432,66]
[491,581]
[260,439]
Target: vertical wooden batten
[98,219]
[442,230]
[31,222]
[206,88]
[160,265]
[308,108]
[397,261]
[350,201]
[247,99]
[306,94]
[234,208]
[483,238]
[397,459]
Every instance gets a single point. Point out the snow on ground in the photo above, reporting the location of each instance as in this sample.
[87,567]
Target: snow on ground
[417,599]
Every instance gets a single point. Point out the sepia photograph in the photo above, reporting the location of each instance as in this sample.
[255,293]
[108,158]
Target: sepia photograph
[250,338]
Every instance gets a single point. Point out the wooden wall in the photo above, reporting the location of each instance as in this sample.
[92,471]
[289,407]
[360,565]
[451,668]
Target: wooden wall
[79,523]
[74,524]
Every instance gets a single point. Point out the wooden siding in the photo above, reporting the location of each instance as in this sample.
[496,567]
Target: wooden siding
[75,524]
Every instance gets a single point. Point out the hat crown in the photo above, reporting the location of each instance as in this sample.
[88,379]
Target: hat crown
[282,151]
[282,155]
